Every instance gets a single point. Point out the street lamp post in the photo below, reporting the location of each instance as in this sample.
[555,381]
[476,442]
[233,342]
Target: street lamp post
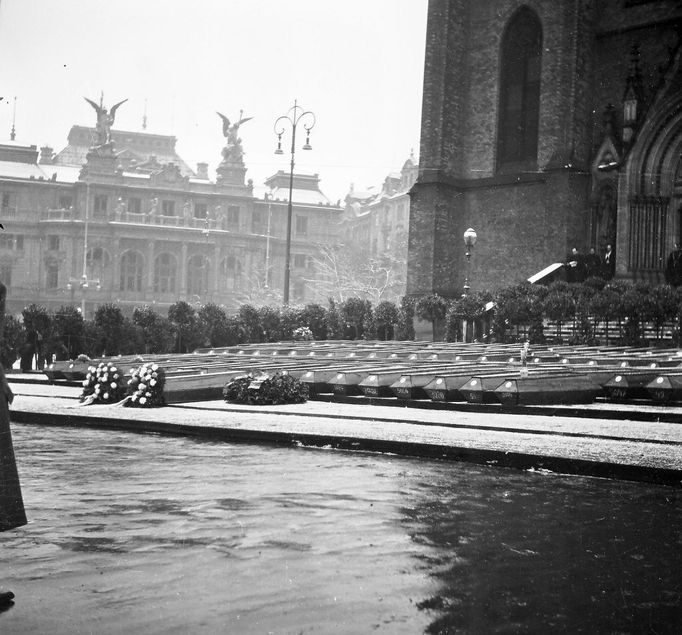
[469,240]
[294,115]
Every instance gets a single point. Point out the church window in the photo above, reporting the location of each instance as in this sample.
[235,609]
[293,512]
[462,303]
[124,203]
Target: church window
[521,64]
[168,208]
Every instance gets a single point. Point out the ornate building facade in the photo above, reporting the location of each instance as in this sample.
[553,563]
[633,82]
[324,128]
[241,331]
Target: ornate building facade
[126,220]
[547,124]
[376,221]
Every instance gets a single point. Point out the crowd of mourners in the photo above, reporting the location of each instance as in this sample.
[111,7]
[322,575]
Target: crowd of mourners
[579,266]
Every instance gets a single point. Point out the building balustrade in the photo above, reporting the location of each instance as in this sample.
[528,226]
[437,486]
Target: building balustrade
[52,214]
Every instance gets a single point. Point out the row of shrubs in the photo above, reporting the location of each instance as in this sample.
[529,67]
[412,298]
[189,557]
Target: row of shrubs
[64,334]
[520,311]
[619,310]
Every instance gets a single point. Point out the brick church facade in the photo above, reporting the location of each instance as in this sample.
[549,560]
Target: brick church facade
[547,124]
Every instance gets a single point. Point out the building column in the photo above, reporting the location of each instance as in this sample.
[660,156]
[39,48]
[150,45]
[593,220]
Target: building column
[216,270]
[150,268]
[183,271]
[116,275]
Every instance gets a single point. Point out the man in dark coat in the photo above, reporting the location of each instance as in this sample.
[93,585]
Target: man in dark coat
[12,512]
[608,263]
[575,266]
[673,267]
[592,264]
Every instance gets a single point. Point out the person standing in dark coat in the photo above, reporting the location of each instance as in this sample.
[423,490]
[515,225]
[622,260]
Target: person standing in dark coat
[673,267]
[608,263]
[12,513]
[575,266]
[592,264]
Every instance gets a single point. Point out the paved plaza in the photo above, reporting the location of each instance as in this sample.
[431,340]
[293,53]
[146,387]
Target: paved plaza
[638,442]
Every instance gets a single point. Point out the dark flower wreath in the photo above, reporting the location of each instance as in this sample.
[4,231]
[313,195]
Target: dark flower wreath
[265,389]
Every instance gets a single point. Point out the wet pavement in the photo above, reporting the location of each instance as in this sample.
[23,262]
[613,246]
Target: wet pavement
[151,534]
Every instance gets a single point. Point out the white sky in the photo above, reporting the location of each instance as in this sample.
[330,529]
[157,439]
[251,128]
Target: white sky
[358,64]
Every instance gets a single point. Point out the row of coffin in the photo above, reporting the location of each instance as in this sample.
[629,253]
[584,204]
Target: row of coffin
[410,371]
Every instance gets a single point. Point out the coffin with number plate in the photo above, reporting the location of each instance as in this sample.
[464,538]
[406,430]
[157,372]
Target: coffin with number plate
[666,388]
[446,386]
[630,384]
[543,389]
[481,387]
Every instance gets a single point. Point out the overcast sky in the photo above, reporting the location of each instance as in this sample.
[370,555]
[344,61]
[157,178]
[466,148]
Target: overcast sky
[358,64]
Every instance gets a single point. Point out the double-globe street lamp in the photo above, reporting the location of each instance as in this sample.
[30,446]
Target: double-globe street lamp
[294,116]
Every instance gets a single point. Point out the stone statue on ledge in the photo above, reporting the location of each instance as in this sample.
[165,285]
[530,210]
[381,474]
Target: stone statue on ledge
[233,151]
[105,120]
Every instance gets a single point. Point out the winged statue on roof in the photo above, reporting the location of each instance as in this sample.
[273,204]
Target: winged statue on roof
[105,119]
[233,149]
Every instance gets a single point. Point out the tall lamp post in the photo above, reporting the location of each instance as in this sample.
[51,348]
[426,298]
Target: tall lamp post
[469,240]
[83,281]
[293,117]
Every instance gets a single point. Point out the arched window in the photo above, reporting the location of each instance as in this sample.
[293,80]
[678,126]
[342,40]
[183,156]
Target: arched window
[197,275]
[165,273]
[231,272]
[132,266]
[98,263]
[521,61]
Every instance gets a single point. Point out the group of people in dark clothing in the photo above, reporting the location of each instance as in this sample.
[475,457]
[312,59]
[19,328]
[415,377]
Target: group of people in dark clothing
[673,267]
[579,267]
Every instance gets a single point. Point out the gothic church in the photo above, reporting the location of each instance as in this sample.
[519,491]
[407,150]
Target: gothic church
[547,125]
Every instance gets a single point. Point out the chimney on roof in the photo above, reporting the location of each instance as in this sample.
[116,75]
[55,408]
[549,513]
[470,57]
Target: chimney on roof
[202,171]
[46,155]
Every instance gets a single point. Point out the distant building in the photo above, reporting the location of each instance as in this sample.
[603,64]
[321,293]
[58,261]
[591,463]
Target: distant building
[135,225]
[376,220]
[547,125]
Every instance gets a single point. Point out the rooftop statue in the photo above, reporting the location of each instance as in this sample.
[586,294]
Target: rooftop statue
[233,149]
[105,120]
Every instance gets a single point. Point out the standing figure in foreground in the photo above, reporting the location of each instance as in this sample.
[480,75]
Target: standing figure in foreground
[12,512]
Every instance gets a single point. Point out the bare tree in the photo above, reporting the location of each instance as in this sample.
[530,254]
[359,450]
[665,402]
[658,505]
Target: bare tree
[345,271]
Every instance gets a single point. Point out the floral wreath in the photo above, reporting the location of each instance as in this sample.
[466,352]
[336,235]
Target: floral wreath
[303,334]
[102,384]
[145,386]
